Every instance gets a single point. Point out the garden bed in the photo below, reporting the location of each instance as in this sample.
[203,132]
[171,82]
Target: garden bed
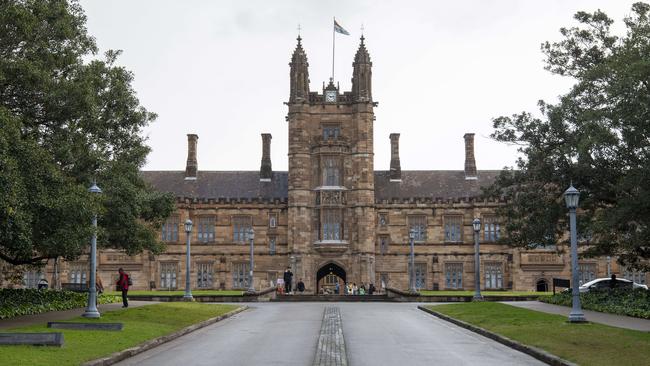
[18,302]
[628,302]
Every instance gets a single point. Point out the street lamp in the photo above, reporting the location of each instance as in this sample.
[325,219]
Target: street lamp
[91,309]
[571,196]
[476,224]
[413,289]
[188,285]
[251,286]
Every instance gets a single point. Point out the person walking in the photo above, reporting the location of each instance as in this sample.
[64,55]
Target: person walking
[123,285]
[337,288]
[99,286]
[288,276]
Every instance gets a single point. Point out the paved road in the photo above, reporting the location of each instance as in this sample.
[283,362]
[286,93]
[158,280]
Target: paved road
[375,334]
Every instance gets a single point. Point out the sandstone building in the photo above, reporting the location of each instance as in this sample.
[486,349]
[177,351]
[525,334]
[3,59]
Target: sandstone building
[332,216]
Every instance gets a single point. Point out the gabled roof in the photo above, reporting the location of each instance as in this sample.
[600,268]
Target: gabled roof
[445,184]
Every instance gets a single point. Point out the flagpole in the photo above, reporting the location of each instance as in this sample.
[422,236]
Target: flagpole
[333,46]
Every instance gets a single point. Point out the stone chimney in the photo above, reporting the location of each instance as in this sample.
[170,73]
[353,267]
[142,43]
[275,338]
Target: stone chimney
[265,170]
[395,168]
[470,162]
[192,166]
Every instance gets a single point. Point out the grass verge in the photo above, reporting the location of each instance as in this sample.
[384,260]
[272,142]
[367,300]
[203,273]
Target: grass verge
[484,293]
[176,293]
[140,324]
[584,344]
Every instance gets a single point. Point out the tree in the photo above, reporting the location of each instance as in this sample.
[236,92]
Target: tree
[596,136]
[64,123]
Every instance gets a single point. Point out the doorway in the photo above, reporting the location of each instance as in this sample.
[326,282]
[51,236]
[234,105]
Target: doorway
[328,276]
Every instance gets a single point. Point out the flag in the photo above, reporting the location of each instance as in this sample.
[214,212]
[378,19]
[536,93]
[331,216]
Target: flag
[339,29]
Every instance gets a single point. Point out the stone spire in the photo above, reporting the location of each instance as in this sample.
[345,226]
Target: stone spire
[362,74]
[299,75]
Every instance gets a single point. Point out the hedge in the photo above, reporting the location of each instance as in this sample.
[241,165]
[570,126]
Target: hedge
[628,302]
[17,302]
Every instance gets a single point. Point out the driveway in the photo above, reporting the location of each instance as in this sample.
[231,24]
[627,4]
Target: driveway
[374,333]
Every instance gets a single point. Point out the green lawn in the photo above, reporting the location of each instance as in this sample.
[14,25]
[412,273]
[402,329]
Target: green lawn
[182,292]
[585,344]
[140,324]
[484,293]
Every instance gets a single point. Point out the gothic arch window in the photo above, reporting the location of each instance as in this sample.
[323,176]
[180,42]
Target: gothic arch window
[331,171]
[331,224]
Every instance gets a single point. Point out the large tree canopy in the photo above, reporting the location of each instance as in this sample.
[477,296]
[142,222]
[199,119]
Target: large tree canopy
[596,136]
[65,122]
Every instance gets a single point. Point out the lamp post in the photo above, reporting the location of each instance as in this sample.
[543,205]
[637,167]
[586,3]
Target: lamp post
[571,196]
[91,309]
[251,286]
[413,289]
[188,286]
[476,224]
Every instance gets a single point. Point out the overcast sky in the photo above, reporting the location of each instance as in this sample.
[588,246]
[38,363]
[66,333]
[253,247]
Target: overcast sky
[440,69]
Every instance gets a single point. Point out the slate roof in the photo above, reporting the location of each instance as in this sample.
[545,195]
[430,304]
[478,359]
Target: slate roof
[445,184]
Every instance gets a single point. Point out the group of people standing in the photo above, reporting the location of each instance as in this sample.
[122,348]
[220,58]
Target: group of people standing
[353,289]
[284,284]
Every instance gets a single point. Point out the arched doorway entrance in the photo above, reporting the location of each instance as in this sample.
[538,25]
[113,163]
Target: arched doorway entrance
[542,285]
[327,277]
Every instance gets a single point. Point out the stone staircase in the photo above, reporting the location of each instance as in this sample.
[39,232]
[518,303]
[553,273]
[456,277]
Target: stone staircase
[332,298]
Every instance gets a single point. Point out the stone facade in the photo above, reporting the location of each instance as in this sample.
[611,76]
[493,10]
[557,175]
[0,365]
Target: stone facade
[332,217]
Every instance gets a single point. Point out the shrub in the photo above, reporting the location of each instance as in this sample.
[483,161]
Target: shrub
[17,302]
[629,302]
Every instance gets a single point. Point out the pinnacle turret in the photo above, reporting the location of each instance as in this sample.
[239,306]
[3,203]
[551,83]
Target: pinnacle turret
[299,74]
[362,74]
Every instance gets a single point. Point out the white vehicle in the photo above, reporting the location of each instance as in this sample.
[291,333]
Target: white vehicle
[605,283]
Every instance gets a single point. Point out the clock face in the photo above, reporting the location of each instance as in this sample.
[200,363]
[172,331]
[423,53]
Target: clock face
[330,96]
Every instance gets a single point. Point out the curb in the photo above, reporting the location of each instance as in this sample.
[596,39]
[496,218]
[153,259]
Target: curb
[535,352]
[130,352]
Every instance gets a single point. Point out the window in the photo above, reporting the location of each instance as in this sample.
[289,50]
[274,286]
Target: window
[420,275]
[78,273]
[273,220]
[31,278]
[383,220]
[331,224]
[419,224]
[168,273]
[331,132]
[634,276]
[241,225]
[240,275]
[170,229]
[454,275]
[331,171]
[331,280]
[205,230]
[383,244]
[491,229]
[493,276]
[204,275]
[586,272]
[272,245]
[453,228]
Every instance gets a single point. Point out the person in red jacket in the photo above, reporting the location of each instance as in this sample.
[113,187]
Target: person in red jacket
[123,284]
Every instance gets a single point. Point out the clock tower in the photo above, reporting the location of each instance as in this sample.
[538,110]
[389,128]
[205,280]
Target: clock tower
[331,214]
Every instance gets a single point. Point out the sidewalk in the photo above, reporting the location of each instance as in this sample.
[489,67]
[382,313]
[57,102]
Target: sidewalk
[53,316]
[620,321]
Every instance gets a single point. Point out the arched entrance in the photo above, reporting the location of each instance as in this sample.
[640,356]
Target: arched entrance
[542,285]
[327,277]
